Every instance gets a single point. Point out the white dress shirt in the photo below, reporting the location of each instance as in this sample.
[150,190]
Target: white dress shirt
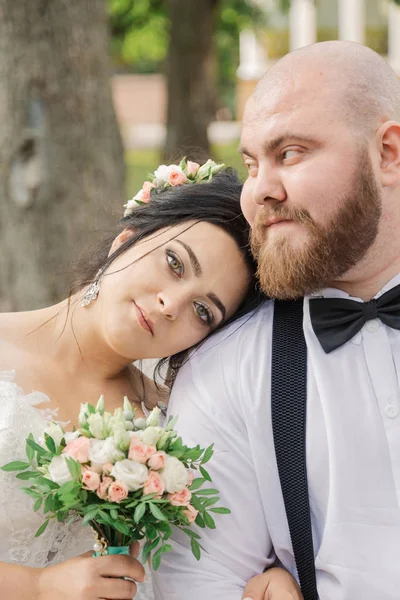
[353,459]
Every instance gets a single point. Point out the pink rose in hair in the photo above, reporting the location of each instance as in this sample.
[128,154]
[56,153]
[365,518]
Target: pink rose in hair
[192,168]
[190,513]
[147,187]
[140,452]
[177,177]
[154,485]
[157,461]
[180,498]
[102,491]
[117,491]
[90,479]
[78,449]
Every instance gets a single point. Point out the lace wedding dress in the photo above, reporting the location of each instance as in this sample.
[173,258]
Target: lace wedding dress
[19,416]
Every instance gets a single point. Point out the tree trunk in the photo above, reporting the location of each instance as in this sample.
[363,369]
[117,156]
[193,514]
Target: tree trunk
[61,157]
[191,87]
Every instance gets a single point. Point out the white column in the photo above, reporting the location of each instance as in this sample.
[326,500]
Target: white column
[302,23]
[352,20]
[253,59]
[394,36]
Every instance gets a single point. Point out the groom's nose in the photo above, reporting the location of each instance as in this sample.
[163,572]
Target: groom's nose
[268,187]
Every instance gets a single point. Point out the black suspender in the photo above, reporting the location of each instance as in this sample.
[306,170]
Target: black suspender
[289,406]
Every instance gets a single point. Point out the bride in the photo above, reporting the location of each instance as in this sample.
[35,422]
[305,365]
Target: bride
[179,269]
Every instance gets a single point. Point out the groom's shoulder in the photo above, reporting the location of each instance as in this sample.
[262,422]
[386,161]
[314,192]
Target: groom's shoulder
[245,336]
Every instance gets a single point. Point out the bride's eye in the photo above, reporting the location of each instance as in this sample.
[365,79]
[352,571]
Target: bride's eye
[175,263]
[204,313]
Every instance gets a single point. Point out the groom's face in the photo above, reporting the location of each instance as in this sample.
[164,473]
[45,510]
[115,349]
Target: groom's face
[311,194]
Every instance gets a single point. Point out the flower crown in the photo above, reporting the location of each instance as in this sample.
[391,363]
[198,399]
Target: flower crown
[170,176]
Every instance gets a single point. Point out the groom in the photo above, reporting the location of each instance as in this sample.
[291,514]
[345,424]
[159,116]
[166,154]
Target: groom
[321,141]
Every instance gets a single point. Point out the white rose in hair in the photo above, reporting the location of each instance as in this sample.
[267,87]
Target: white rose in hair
[161,175]
[103,451]
[174,475]
[151,435]
[134,475]
[59,471]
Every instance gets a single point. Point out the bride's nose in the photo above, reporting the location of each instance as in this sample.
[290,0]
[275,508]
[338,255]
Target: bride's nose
[170,305]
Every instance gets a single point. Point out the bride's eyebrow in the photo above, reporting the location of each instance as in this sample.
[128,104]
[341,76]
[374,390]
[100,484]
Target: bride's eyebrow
[194,261]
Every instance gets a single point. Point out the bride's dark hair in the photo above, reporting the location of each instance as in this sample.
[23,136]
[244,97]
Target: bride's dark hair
[216,202]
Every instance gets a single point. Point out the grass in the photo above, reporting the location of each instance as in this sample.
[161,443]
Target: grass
[140,163]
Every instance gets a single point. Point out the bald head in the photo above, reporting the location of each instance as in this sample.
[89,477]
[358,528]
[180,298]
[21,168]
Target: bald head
[351,77]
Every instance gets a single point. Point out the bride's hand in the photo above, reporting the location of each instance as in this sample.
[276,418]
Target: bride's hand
[88,578]
[275,584]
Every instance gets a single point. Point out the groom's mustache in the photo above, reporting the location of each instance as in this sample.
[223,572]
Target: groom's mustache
[266,217]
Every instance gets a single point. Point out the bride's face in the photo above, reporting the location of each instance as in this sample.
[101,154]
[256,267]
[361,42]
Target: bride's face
[170,291]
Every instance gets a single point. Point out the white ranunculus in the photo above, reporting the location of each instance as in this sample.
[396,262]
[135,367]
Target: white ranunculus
[133,474]
[154,417]
[151,435]
[59,471]
[102,451]
[70,436]
[54,431]
[174,475]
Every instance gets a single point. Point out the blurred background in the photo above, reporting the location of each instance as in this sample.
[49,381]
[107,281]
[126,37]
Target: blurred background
[94,94]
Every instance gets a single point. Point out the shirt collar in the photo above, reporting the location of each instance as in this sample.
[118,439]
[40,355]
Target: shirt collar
[337,293]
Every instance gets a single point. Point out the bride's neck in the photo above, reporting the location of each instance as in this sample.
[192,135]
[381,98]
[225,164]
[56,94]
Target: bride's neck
[70,337]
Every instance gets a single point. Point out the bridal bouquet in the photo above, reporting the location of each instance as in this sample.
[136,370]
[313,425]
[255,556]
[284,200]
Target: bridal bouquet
[127,477]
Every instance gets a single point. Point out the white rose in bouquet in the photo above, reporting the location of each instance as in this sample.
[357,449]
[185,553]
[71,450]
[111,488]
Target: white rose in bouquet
[103,451]
[59,471]
[174,475]
[70,436]
[132,474]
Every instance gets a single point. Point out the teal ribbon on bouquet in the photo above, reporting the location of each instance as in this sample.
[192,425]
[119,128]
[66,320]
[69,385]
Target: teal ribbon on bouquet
[113,550]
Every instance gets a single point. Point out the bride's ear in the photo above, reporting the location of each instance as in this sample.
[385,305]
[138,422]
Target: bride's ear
[121,239]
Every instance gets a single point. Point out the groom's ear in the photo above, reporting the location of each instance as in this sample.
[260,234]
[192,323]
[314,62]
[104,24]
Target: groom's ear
[121,239]
[388,138]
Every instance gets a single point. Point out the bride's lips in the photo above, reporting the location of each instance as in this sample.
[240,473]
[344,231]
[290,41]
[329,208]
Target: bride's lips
[144,320]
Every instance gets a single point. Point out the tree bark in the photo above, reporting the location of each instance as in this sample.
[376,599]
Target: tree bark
[191,99]
[61,156]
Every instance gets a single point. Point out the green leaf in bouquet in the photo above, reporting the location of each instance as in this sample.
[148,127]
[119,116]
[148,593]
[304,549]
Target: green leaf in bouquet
[176,453]
[165,528]
[196,503]
[151,532]
[198,482]
[33,493]
[74,467]
[114,513]
[209,502]
[90,515]
[49,504]
[220,510]
[139,512]
[35,446]
[156,560]
[207,454]
[70,486]
[205,474]
[50,443]
[156,512]
[42,528]
[91,409]
[122,527]
[16,465]
[105,517]
[37,504]
[200,521]
[208,520]
[47,483]
[30,453]
[191,533]
[149,547]
[25,475]
[196,548]
[206,492]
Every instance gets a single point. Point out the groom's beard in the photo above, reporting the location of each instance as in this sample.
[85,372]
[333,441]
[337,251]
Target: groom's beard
[286,271]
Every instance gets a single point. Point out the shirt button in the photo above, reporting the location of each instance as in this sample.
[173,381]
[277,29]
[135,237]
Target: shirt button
[391,411]
[372,326]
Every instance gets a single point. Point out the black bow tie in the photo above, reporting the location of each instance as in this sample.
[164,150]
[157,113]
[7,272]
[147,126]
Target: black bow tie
[336,320]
